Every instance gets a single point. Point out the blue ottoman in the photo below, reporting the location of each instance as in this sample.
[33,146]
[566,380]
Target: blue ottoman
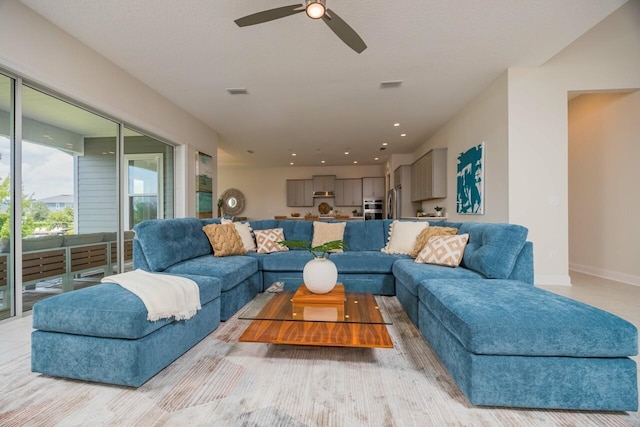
[509,344]
[102,334]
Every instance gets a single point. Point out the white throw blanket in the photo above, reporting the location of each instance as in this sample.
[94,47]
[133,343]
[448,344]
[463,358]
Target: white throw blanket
[164,295]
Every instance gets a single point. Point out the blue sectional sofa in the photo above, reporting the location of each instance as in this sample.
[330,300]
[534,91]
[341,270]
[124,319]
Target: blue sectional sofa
[505,342]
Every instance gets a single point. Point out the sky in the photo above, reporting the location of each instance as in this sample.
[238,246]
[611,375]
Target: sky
[46,171]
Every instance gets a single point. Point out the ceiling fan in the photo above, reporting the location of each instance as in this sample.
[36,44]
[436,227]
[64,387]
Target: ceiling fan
[316,9]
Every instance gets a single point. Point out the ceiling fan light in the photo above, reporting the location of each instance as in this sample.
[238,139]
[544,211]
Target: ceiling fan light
[315,9]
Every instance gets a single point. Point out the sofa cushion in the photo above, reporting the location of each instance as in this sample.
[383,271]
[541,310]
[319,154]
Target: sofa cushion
[166,242]
[364,262]
[82,239]
[506,317]
[286,261]
[107,310]
[492,248]
[364,236]
[297,230]
[263,224]
[230,270]
[410,274]
[41,243]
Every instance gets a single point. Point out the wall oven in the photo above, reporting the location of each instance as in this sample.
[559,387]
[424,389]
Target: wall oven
[372,208]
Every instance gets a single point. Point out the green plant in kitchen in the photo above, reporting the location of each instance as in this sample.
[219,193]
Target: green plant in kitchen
[354,212]
[438,210]
[419,212]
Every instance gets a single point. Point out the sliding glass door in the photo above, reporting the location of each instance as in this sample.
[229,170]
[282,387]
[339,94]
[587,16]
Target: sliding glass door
[7,295]
[83,182]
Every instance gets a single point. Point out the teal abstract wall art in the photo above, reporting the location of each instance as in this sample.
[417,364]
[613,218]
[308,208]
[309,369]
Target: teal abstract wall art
[470,189]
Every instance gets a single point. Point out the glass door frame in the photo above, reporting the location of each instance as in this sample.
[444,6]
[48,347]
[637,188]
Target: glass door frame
[159,158]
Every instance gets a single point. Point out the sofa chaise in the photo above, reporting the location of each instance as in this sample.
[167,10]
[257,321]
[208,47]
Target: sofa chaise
[505,342]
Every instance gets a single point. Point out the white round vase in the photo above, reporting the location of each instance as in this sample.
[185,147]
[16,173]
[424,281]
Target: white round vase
[320,275]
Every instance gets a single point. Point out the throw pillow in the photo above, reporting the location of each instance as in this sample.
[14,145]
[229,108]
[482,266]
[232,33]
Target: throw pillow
[324,232]
[403,235]
[245,232]
[443,250]
[427,233]
[267,240]
[224,239]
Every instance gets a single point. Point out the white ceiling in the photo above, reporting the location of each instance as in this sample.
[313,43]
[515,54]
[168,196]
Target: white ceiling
[308,92]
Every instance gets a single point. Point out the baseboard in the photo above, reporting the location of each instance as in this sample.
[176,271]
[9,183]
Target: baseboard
[552,279]
[629,279]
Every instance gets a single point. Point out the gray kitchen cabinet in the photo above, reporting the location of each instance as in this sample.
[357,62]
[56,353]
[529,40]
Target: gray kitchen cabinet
[348,192]
[324,183]
[429,176]
[299,192]
[373,187]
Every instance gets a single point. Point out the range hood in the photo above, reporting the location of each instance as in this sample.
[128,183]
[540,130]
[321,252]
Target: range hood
[323,194]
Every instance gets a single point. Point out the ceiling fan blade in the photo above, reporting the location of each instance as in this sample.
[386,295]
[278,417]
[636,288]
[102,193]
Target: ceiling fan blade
[269,15]
[344,31]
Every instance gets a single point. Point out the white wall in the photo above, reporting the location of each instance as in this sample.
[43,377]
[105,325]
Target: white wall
[604,226]
[606,57]
[265,189]
[522,118]
[42,53]
[484,119]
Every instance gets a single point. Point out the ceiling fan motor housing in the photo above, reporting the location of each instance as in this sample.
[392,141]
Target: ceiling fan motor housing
[315,8]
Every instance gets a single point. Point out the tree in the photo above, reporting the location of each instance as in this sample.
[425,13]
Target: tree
[39,210]
[5,217]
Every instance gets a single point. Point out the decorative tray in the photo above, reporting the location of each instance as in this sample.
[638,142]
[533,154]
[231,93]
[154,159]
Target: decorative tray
[324,208]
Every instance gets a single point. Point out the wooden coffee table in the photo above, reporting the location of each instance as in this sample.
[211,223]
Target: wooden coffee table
[281,318]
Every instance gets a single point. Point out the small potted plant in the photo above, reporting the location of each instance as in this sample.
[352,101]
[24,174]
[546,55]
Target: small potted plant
[220,204]
[355,212]
[438,210]
[320,275]
[419,212]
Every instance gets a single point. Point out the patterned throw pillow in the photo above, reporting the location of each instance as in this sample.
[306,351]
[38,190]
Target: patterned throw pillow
[443,250]
[324,232]
[224,239]
[267,240]
[402,236]
[427,233]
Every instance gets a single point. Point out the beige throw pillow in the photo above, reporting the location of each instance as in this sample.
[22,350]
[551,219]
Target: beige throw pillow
[443,250]
[267,240]
[403,235]
[224,239]
[427,233]
[245,232]
[324,232]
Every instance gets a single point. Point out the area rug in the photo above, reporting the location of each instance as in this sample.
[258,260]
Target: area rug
[221,382]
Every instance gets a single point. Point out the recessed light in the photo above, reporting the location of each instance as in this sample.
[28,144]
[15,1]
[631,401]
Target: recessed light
[346,152]
[322,161]
[291,163]
[403,134]
[376,158]
[385,143]
[293,154]
[396,124]
[355,161]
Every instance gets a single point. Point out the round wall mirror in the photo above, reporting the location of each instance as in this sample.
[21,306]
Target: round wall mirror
[233,202]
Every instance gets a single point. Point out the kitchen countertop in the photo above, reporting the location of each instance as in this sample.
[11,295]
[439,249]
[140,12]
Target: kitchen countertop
[426,218]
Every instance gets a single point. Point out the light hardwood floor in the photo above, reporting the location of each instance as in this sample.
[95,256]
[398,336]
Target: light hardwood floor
[618,298]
